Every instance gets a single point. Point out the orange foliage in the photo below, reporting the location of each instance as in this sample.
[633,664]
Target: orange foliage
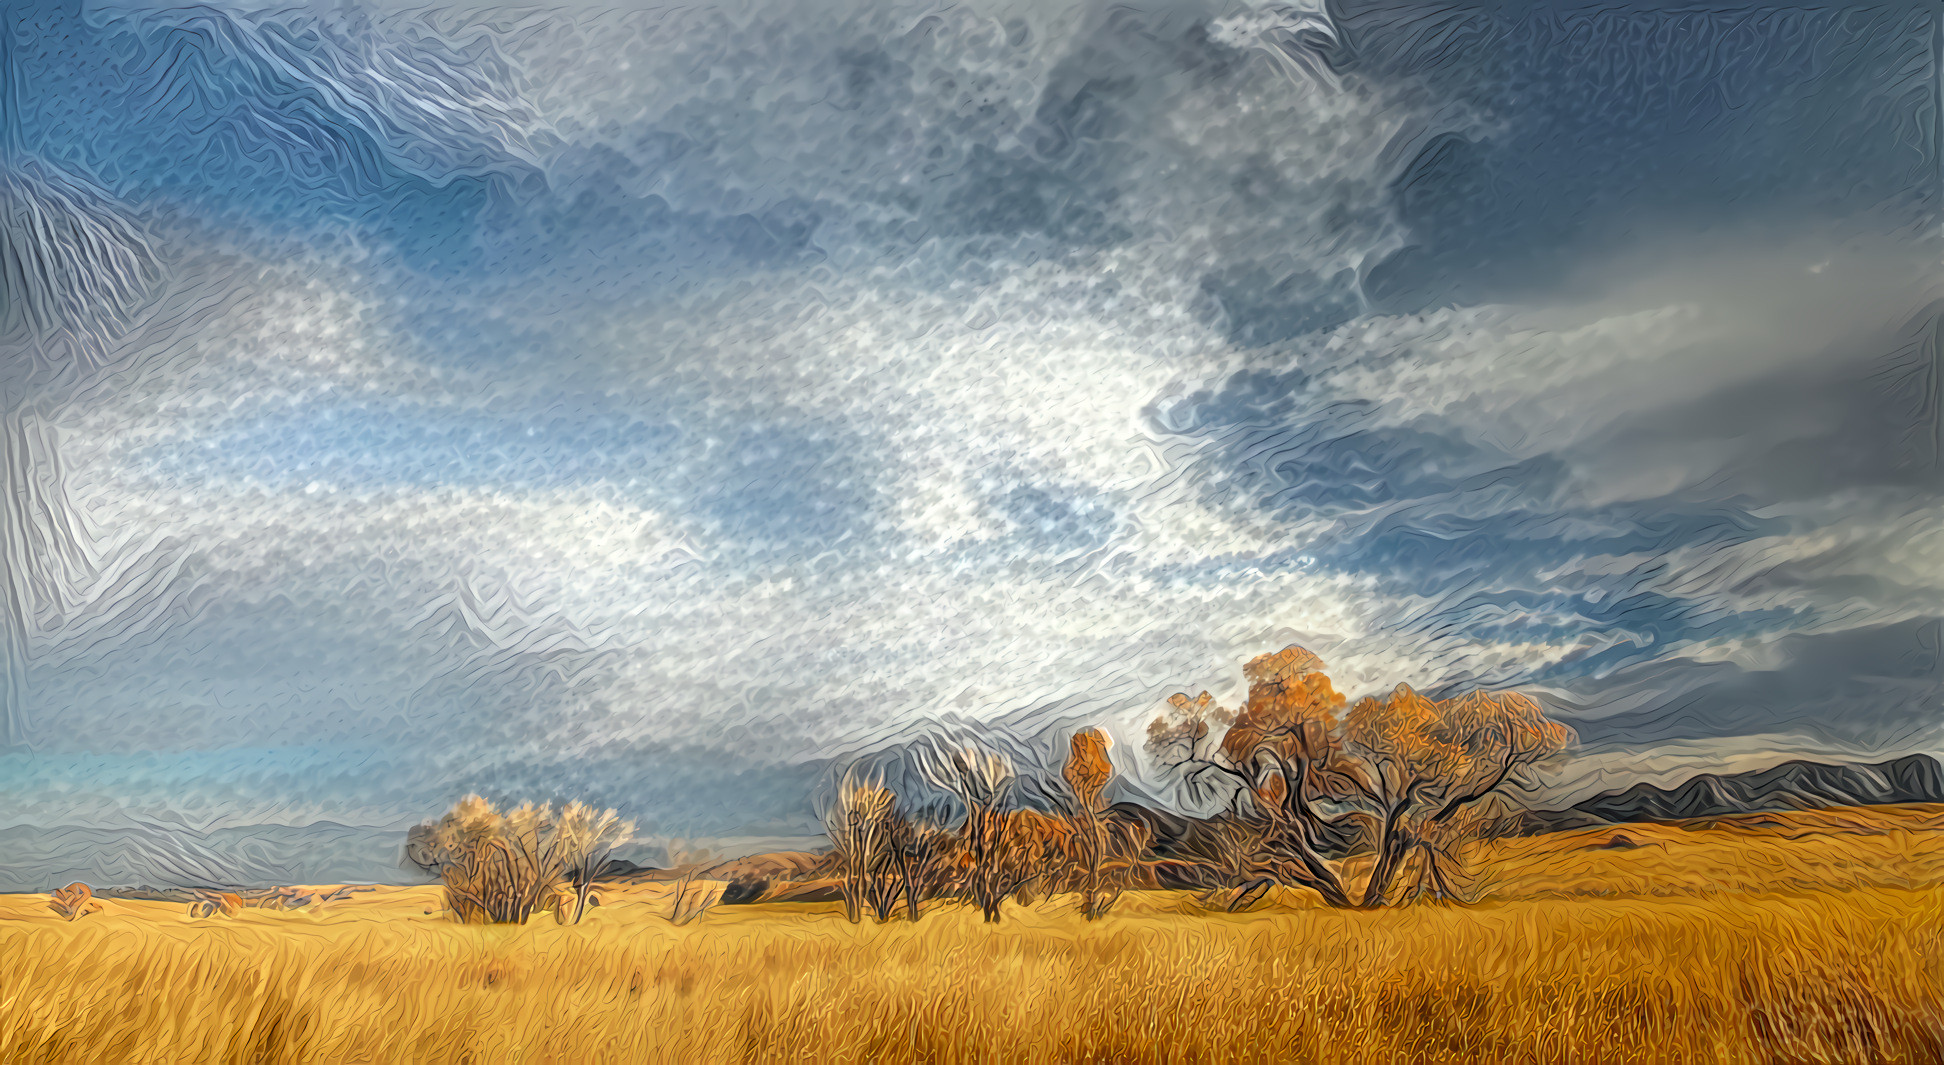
[1088,768]
[1406,765]
[1101,856]
[1433,759]
[74,901]
[1036,842]
[1293,714]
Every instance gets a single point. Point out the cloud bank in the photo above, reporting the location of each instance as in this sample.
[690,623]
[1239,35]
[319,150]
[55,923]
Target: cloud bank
[656,405]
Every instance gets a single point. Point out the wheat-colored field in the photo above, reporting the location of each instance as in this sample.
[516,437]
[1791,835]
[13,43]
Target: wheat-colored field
[1780,938]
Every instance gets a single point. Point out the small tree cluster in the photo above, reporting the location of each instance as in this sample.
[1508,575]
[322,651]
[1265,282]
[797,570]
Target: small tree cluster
[881,856]
[885,858]
[499,868]
[1404,773]
[996,851]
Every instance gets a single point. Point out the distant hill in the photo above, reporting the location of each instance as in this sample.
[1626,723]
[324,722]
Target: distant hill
[772,865]
[1798,785]
[166,857]
[1795,785]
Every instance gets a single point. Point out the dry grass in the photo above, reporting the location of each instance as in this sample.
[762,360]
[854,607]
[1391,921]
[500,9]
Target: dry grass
[1812,938]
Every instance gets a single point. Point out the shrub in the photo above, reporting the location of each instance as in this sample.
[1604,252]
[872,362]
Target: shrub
[692,893]
[498,868]
[74,901]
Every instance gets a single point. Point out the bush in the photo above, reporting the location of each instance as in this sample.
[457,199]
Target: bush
[498,868]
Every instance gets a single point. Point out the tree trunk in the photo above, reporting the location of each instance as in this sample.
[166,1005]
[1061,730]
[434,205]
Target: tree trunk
[910,890]
[1296,803]
[1322,879]
[1094,844]
[1437,876]
[1389,859]
[1390,851]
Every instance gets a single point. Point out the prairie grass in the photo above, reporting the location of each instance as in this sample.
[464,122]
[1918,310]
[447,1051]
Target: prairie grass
[1807,938]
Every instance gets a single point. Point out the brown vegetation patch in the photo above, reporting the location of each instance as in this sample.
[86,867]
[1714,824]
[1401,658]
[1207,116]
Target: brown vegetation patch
[74,901]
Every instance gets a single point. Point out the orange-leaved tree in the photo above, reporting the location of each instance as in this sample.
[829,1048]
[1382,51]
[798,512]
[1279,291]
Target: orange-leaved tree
[1395,772]
[1430,760]
[1280,760]
[1105,851]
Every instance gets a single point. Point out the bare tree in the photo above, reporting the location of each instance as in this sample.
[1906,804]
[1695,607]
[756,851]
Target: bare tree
[866,837]
[924,852]
[587,838]
[989,867]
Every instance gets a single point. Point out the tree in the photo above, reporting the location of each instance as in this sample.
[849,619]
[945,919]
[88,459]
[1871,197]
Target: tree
[882,853]
[586,838]
[867,848]
[1105,851]
[1277,761]
[1396,772]
[1433,760]
[991,845]
[923,852]
[497,868]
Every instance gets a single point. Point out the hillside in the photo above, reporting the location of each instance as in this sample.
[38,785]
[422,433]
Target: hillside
[1796,785]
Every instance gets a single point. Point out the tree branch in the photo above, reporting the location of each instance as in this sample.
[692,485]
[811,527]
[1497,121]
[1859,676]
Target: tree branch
[1452,807]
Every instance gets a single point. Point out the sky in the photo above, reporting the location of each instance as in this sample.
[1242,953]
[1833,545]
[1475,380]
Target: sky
[662,406]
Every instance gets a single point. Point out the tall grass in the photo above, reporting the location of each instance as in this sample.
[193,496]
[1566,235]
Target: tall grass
[1749,969]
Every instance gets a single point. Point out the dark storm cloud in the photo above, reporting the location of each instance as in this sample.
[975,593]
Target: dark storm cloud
[1839,423]
[1869,686]
[1605,118]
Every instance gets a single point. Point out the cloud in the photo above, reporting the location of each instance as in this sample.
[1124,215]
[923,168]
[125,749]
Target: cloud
[1596,124]
[1691,450]
[1867,687]
[738,392]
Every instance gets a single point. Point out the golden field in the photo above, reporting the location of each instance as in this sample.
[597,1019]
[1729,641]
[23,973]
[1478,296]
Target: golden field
[1771,938]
